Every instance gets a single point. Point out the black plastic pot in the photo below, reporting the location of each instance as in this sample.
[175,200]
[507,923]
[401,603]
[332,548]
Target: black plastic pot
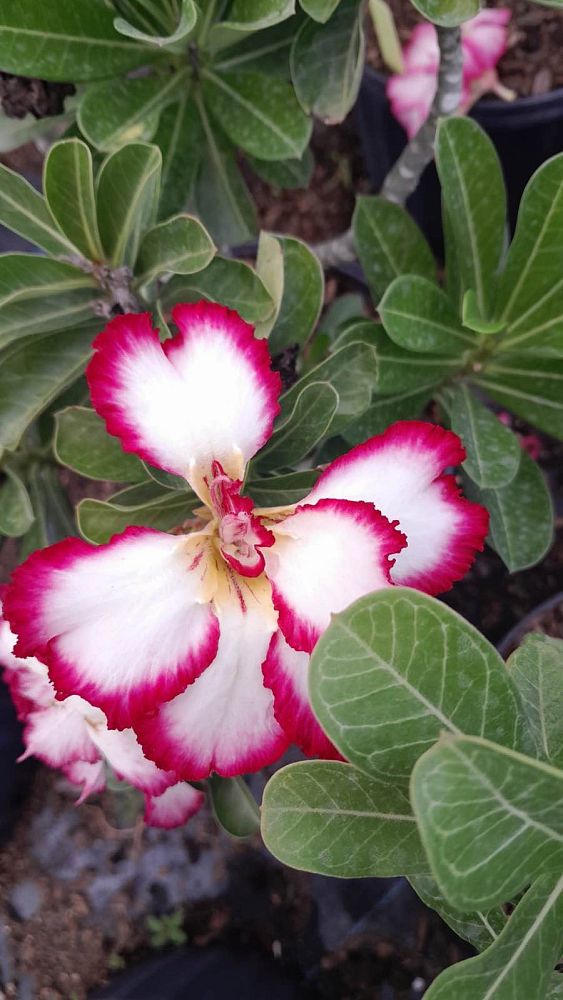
[525,132]
[14,777]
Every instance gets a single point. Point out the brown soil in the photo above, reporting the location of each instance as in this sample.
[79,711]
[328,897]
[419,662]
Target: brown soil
[21,95]
[532,63]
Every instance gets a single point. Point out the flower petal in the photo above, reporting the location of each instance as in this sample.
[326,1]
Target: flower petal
[326,556]
[484,41]
[410,96]
[174,807]
[209,393]
[91,776]
[286,674]
[123,753]
[400,472]
[60,734]
[123,625]
[422,50]
[224,721]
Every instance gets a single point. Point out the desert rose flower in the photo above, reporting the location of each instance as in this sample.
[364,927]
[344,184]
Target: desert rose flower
[199,640]
[484,41]
[72,736]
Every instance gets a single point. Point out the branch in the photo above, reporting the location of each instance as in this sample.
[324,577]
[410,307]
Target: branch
[405,174]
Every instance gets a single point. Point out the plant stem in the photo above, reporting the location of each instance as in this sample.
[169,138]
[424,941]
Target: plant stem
[405,174]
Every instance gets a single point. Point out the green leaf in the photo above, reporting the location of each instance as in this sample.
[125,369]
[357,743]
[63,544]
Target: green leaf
[327,62]
[53,513]
[475,202]
[480,928]
[16,132]
[352,372]
[259,113]
[345,309]
[536,668]
[38,294]
[327,817]
[120,111]
[532,387]
[385,410]
[166,479]
[387,35]
[83,444]
[180,138]
[279,491]
[66,41]
[234,805]
[302,297]
[249,16]
[521,513]
[33,373]
[447,12]
[319,10]
[520,961]
[269,267]
[493,451]
[16,512]
[288,174]
[68,180]
[419,316]
[307,424]
[127,198]
[472,317]
[25,211]
[147,505]
[180,245]
[491,819]
[186,24]
[229,282]
[267,52]
[222,197]
[395,670]
[535,259]
[389,243]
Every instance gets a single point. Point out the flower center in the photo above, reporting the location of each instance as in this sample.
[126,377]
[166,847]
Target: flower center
[241,534]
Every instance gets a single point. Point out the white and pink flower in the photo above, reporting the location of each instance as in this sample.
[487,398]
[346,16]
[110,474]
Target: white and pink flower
[197,643]
[484,41]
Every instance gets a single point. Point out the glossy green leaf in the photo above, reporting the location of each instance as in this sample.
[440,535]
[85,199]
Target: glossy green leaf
[186,24]
[25,212]
[481,927]
[472,317]
[54,516]
[16,132]
[33,373]
[68,180]
[279,491]
[180,138]
[152,16]
[475,202]
[180,245]
[539,328]
[221,195]
[419,316]
[385,410]
[536,668]
[288,174]
[16,512]
[307,424]
[127,198]
[532,387]
[389,243]
[230,282]
[38,294]
[386,35]
[234,805]
[448,12]
[259,113]
[147,505]
[345,309]
[493,450]
[491,819]
[395,670]
[521,516]
[302,296]
[270,268]
[119,111]
[327,817]
[267,52]
[520,961]
[327,62]
[249,16]
[535,259]
[319,10]
[65,41]
[83,444]
[166,479]
[352,371]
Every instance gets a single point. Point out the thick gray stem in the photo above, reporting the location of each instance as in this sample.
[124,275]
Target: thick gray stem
[405,174]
